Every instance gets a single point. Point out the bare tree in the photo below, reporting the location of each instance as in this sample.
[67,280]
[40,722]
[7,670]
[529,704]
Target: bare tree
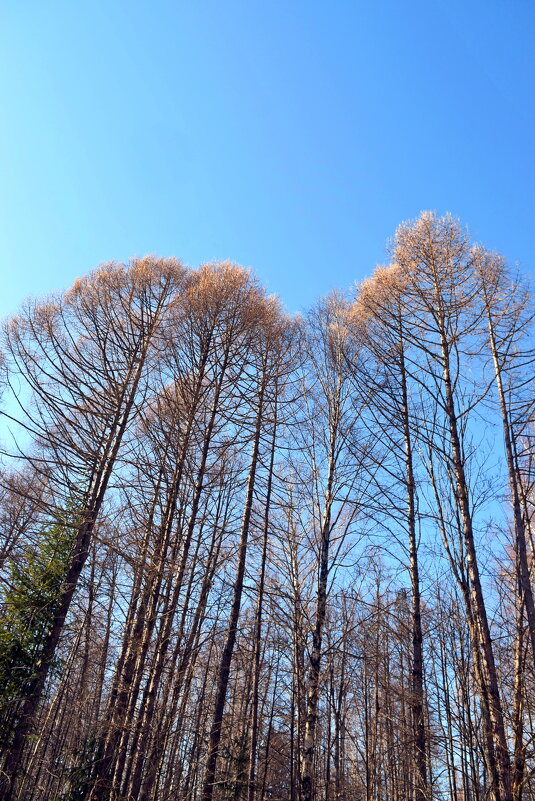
[83,357]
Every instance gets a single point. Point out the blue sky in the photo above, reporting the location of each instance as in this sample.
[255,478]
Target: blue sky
[292,137]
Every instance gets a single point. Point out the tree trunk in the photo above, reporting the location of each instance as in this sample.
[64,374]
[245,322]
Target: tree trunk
[232,630]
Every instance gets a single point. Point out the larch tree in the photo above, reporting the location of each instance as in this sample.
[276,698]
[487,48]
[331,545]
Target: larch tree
[379,311]
[82,358]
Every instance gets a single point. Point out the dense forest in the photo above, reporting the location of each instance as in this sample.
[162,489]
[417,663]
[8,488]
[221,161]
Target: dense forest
[248,556]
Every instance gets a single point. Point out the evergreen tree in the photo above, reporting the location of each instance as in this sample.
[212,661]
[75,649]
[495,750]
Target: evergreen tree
[27,615]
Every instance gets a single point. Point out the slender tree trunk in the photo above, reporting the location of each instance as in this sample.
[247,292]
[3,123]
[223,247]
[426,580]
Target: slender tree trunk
[309,739]
[417,670]
[484,640]
[232,630]
[515,486]
[519,767]
[253,744]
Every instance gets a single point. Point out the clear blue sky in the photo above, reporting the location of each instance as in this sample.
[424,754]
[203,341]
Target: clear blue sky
[291,137]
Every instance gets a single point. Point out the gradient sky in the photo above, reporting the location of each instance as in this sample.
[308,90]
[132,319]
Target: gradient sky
[292,137]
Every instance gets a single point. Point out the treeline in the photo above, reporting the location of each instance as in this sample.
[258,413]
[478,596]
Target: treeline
[250,557]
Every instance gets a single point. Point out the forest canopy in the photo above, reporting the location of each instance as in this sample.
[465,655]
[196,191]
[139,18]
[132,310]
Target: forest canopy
[249,556]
